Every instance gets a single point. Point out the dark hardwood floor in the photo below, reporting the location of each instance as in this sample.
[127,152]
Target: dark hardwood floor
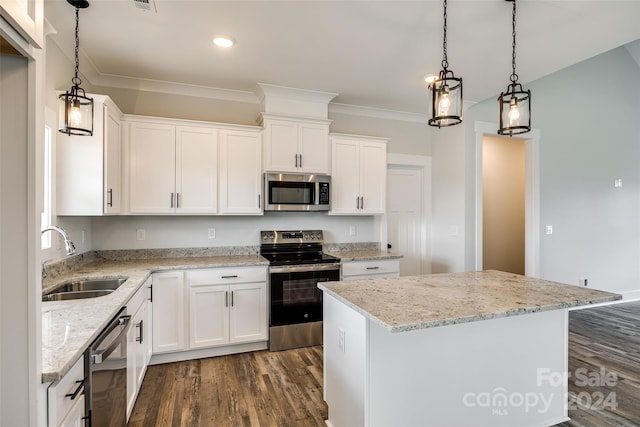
[250,389]
[284,388]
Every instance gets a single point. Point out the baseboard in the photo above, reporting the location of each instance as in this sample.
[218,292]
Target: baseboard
[201,353]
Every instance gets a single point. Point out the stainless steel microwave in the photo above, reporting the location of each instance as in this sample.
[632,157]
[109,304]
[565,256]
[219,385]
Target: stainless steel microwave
[296,192]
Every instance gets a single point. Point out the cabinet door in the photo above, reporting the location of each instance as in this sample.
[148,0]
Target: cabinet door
[168,312]
[373,177]
[112,162]
[75,417]
[314,148]
[281,146]
[248,316]
[196,170]
[152,168]
[345,177]
[240,172]
[208,316]
[27,17]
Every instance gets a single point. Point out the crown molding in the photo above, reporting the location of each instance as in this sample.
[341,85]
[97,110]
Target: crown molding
[380,113]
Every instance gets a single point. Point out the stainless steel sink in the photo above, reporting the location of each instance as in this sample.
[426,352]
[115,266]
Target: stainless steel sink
[83,288]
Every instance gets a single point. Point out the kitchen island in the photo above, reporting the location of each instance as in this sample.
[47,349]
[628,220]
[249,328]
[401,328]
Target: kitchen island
[462,349]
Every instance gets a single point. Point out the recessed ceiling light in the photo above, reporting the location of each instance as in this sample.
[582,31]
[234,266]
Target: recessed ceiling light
[223,41]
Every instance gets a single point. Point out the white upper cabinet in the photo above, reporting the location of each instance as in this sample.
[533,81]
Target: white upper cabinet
[27,17]
[240,172]
[358,178]
[88,171]
[172,169]
[296,145]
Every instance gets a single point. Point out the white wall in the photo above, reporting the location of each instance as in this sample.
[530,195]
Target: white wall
[590,134]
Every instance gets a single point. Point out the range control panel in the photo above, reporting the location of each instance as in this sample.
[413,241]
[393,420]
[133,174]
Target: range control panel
[291,236]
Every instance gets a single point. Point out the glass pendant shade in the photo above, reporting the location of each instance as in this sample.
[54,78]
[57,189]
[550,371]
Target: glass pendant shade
[75,112]
[515,111]
[446,100]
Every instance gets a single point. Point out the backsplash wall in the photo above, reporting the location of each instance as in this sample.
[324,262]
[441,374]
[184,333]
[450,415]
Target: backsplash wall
[120,232]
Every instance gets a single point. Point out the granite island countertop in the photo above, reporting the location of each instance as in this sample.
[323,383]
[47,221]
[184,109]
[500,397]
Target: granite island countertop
[69,327]
[415,302]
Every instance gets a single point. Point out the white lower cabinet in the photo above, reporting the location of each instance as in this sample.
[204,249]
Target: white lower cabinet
[370,269]
[168,304]
[209,308]
[66,398]
[138,342]
[227,306]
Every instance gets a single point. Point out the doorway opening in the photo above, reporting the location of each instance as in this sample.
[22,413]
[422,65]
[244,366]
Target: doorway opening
[507,229]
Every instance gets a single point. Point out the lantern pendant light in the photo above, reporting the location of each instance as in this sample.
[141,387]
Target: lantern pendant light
[75,109]
[515,103]
[446,91]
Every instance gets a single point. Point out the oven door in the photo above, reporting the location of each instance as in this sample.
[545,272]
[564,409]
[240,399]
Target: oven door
[294,294]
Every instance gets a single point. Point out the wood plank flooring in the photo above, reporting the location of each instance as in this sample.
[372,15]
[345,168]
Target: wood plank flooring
[250,390]
[284,388]
[604,366]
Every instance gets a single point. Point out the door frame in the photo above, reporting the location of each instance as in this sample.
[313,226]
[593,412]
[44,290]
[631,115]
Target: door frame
[423,163]
[532,196]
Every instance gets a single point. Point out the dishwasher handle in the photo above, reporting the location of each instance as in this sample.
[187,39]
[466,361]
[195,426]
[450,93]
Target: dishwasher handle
[98,356]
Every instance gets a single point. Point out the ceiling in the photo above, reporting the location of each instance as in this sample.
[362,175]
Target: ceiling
[371,53]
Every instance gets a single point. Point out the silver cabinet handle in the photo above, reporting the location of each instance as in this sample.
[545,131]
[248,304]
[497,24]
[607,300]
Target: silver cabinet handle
[77,391]
[300,159]
[171,200]
[361,202]
[177,200]
[140,326]
[226,298]
[231,298]
[259,201]
[295,156]
[110,197]
[357,202]
[231,276]
[373,268]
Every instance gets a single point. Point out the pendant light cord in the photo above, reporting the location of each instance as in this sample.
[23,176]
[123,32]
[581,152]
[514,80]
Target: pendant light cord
[445,63]
[514,76]
[76,80]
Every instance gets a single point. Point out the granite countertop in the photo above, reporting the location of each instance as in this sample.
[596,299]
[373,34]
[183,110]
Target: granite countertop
[69,327]
[363,255]
[416,302]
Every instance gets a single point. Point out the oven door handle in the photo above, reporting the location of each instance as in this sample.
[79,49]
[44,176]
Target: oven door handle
[303,268]
[99,356]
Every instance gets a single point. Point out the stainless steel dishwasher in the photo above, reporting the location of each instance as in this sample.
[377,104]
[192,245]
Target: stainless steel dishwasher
[107,366]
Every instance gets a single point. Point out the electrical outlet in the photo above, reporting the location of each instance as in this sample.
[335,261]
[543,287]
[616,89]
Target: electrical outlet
[584,282]
[548,229]
[341,338]
[211,233]
[141,234]
[353,230]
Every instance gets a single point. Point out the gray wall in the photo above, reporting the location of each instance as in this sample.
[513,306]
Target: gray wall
[590,134]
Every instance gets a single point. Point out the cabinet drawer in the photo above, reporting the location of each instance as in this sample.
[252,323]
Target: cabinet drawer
[60,395]
[226,275]
[373,267]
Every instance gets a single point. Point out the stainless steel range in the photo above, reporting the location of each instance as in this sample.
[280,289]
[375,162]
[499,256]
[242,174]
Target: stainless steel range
[296,265]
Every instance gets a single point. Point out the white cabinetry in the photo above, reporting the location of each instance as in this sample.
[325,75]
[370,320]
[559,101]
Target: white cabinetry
[370,269]
[172,169]
[25,16]
[296,145]
[88,172]
[227,306]
[358,177]
[240,172]
[66,398]
[168,304]
[138,342]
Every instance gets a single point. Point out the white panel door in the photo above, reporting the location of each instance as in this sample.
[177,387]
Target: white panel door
[281,146]
[248,317]
[240,172]
[404,217]
[344,176]
[152,168]
[373,177]
[196,170]
[208,316]
[112,162]
[168,311]
[314,148]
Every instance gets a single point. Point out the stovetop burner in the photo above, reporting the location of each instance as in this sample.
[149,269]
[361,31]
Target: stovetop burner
[294,247]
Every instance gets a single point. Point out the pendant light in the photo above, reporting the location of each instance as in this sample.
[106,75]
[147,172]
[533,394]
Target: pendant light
[75,108]
[446,91]
[515,103]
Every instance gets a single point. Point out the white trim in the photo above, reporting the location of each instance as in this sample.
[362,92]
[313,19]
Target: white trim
[380,113]
[532,196]
[424,163]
